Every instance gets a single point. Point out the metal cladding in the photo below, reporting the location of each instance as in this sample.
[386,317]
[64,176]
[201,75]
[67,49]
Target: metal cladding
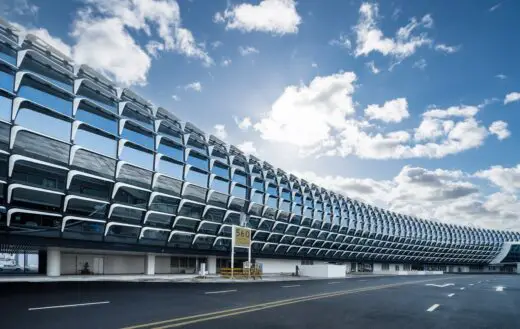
[83,160]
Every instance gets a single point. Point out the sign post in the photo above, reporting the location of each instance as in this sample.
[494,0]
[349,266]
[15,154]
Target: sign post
[241,237]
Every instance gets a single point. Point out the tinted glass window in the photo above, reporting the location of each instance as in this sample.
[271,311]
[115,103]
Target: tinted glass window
[7,54]
[272,190]
[174,152]
[6,80]
[286,195]
[137,157]
[239,191]
[198,161]
[44,124]
[137,137]
[95,142]
[197,178]
[240,177]
[5,108]
[258,184]
[220,170]
[258,197]
[220,185]
[172,169]
[96,119]
[46,99]
[272,202]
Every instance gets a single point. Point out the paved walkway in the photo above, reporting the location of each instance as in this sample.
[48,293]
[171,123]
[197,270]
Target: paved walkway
[160,278]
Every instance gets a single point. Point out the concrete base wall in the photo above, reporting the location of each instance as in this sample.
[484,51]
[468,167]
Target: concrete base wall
[323,271]
[271,266]
[162,265]
[123,264]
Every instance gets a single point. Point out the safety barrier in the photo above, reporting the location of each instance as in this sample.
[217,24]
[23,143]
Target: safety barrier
[241,273]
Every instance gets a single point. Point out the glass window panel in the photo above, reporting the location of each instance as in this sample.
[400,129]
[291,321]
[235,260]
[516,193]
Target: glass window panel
[96,119]
[95,142]
[46,98]
[173,134]
[272,202]
[198,145]
[297,209]
[165,204]
[44,124]
[6,105]
[138,137]
[220,185]
[286,195]
[219,155]
[240,177]
[139,117]
[272,190]
[258,184]
[134,197]
[298,199]
[198,161]
[6,80]
[137,157]
[97,98]
[307,212]
[47,73]
[174,152]
[197,177]
[8,54]
[258,197]
[220,170]
[172,169]
[239,191]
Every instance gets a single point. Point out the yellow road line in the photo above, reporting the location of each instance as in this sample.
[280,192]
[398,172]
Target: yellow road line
[177,322]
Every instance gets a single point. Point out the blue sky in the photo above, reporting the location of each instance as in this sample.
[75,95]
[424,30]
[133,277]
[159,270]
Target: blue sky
[412,106]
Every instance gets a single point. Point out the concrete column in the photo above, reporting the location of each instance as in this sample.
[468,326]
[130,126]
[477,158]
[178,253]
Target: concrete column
[149,264]
[212,264]
[518,268]
[53,262]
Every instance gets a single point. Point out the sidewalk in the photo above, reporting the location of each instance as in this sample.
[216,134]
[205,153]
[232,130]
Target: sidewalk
[164,278]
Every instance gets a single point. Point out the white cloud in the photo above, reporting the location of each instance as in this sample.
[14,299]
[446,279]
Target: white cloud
[244,51]
[225,62]
[495,7]
[499,128]
[370,38]
[248,147]
[314,65]
[453,111]
[44,34]
[342,41]
[420,64]
[277,17]
[24,7]
[512,97]
[195,86]
[372,66]
[392,111]
[449,196]
[305,115]
[102,34]
[220,131]
[447,49]
[216,44]
[501,76]
[243,124]
[176,98]
[507,179]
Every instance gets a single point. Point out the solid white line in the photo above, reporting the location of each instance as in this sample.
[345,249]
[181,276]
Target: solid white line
[451,295]
[432,308]
[334,282]
[63,306]
[462,288]
[294,285]
[219,292]
[500,289]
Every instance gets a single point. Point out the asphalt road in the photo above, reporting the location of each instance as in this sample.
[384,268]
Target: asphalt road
[449,301]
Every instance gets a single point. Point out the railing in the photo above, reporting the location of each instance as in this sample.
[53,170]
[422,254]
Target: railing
[241,273]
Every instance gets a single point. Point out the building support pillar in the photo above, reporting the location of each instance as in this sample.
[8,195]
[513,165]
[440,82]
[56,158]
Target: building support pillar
[212,264]
[53,262]
[149,264]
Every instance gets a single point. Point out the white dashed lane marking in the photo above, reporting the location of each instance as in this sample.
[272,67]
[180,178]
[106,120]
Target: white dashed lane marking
[432,308]
[219,292]
[451,295]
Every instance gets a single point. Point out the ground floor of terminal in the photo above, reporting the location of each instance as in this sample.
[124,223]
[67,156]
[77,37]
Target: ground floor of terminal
[66,261]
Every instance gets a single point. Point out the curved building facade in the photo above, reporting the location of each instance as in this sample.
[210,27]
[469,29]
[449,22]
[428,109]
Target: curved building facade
[83,163]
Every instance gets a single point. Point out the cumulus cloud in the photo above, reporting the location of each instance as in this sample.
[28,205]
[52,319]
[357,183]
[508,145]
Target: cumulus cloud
[450,196]
[220,131]
[501,76]
[512,97]
[248,147]
[195,86]
[392,111]
[499,128]
[342,41]
[420,64]
[244,51]
[176,98]
[277,17]
[507,179]
[225,62]
[319,119]
[44,35]
[370,38]
[243,124]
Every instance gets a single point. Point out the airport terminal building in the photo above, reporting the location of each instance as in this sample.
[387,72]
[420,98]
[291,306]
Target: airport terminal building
[95,173]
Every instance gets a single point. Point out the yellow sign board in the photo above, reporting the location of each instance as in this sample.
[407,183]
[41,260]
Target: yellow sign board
[242,237]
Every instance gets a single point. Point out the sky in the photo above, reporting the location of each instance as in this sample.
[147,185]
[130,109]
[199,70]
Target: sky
[407,105]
